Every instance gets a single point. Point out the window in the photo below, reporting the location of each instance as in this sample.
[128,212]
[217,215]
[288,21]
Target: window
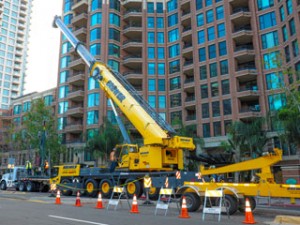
[161,85]
[61,123]
[174,66]
[205,110]
[92,84]
[227,107]
[96,4]
[150,7]
[215,108]
[224,67]
[67,6]
[150,22]
[274,80]
[151,37]
[202,55]
[285,35]
[113,50]
[200,20]
[65,47]
[203,73]
[217,128]
[175,83]
[92,117]
[160,37]
[160,22]
[210,33]
[213,70]
[114,4]
[152,101]
[114,19]
[160,68]
[96,19]
[282,15]
[225,87]
[175,100]
[264,4]
[212,51]
[204,91]
[295,47]
[151,85]
[48,100]
[292,27]
[219,12]
[93,100]
[208,2]
[68,19]
[171,5]
[214,87]
[64,62]
[271,60]
[174,51]
[63,91]
[151,52]
[267,20]
[287,54]
[17,109]
[115,65]
[276,101]
[175,117]
[159,7]
[151,68]
[206,130]
[222,48]
[221,30]
[173,35]
[162,102]
[95,34]
[209,16]
[26,106]
[95,49]
[161,52]
[114,34]
[201,37]
[199,4]
[172,20]
[289,7]
[63,77]
[269,40]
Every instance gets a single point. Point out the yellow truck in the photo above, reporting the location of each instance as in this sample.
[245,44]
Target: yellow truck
[235,193]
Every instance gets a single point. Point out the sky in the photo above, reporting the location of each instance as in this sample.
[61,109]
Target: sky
[43,51]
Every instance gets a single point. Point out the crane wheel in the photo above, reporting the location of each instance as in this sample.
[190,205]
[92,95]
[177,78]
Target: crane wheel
[91,188]
[193,201]
[106,188]
[65,191]
[153,193]
[133,187]
[30,187]
[230,202]
[3,185]
[22,186]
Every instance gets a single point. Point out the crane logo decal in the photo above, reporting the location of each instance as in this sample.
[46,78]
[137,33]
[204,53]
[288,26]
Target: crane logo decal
[115,90]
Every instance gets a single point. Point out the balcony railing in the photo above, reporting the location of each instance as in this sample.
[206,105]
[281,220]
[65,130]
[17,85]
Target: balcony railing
[247,27]
[240,9]
[243,47]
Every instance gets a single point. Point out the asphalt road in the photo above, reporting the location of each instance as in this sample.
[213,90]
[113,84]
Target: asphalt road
[21,208]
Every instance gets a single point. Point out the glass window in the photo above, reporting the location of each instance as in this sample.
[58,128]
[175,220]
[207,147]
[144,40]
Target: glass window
[95,34]
[271,60]
[160,22]
[224,67]
[114,34]
[151,85]
[209,16]
[68,19]
[175,100]
[208,2]
[67,6]
[200,20]
[160,37]
[150,22]
[48,100]
[159,7]
[269,40]
[64,62]
[96,4]
[199,4]
[174,51]
[92,117]
[63,91]
[287,53]
[289,7]
[295,46]
[264,4]
[114,4]
[203,72]
[282,14]
[151,68]
[65,47]
[161,68]
[201,37]
[274,80]
[211,33]
[114,19]
[175,83]
[173,35]
[206,130]
[63,107]
[267,20]
[151,37]
[204,91]
[150,7]
[285,35]
[221,30]
[96,19]
[161,85]
[162,102]
[214,86]
[227,107]
[205,110]
[161,52]
[225,87]
[217,128]
[171,5]
[151,52]
[113,50]
[95,49]
[172,20]
[115,65]
[212,51]
[219,12]
[92,84]
[213,70]
[174,66]
[222,48]
[276,101]
[216,108]
[63,77]
[292,27]
[202,55]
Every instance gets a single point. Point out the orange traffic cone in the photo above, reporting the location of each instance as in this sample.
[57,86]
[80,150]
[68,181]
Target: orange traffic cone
[78,203]
[134,208]
[184,211]
[248,213]
[99,202]
[57,200]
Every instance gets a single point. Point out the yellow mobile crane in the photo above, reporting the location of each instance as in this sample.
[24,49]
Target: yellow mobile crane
[235,193]
[162,149]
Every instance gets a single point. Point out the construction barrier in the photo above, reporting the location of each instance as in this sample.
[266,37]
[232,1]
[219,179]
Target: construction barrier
[119,191]
[164,205]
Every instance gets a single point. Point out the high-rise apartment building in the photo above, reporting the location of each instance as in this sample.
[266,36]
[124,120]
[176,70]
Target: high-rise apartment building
[204,62]
[14,24]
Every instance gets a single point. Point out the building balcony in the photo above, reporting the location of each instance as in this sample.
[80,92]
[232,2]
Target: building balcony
[187,50]
[76,95]
[133,61]
[80,20]
[248,95]
[244,74]
[132,4]
[186,31]
[186,17]
[240,16]
[244,53]
[75,127]
[133,14]
[133,74]
[191,117]
[188,64]
[238,3]
[132,45]
[80,33]
[242,35]
[250,112]
[133,32]
[77,79]
[80,6]
[76,111]
[77,64]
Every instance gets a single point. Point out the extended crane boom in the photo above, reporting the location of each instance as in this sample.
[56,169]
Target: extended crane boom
[160,143]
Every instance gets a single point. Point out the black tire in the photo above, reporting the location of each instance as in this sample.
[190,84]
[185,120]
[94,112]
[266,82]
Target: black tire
[3,185]
[193,201]
[30,187]
[242,203]
[153,193]
[231,203]
[22,186]
[91,188]
[106,188]
[65,191]
[45,188]
[133,187]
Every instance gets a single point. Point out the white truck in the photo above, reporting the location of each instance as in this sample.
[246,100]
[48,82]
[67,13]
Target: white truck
[18,179]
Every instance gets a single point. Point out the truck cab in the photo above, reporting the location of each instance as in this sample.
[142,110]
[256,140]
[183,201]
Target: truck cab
[10,179]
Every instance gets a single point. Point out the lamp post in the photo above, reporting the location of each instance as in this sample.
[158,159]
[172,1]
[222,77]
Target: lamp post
[42,136]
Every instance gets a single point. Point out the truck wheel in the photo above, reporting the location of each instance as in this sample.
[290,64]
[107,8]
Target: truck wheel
[65,191]
[153,193]
[91,187]
[22,186]
[106,188]
[193,201]
[133,187]
[3,185]
[243,202]
[30,187]
[231,203]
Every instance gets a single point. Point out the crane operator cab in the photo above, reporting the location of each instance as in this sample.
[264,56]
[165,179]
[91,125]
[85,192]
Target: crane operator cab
[128,154]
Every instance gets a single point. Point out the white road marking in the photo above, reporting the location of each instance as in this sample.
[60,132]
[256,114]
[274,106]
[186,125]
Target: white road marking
[76,220]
